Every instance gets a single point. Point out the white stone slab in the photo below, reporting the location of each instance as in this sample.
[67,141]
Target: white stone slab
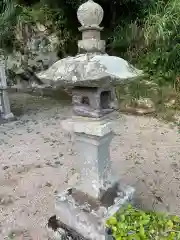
[84,125]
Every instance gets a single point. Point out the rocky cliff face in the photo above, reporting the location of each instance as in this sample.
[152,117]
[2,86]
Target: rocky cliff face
[36,52]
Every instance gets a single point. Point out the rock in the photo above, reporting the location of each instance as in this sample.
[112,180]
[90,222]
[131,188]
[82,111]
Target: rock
[39,52]
[177,117]
[171,103]
[140,106]
[146,103]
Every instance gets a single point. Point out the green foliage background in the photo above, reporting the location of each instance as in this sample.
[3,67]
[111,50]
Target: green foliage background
[145,32]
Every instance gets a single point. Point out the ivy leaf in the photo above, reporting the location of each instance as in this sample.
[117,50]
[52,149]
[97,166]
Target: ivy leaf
[169,225]
[112,221]
[141,231]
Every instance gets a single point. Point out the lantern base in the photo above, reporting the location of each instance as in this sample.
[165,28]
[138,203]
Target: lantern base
[5,118]
[87,216]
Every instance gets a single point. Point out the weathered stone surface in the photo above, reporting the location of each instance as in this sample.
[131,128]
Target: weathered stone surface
[89,70]
[91,45]
[94,164]
[139,106]
[87,215]
[146,103]
[90,14]
[37,53]
[5,110]
[87,126]
[93,102]
[171,103]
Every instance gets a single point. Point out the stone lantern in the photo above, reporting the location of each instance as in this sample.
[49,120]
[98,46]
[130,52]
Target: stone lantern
[5,110]
[92,75]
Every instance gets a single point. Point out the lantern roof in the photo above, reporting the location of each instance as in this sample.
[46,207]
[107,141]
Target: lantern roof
[89,70]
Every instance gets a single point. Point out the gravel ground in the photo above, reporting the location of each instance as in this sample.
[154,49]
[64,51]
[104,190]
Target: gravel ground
[37,159]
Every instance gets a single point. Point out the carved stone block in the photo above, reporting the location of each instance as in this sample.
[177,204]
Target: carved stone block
[93,102]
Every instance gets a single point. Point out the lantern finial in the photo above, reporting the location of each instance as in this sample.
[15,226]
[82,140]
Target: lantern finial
[90,16]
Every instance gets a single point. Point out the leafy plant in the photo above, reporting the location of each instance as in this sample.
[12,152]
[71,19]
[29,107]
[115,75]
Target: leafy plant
[8,13]
[134,224]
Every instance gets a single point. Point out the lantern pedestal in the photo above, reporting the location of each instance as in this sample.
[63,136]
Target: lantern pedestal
[97,193]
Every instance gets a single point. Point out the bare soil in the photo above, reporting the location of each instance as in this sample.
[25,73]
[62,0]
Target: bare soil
[37,158]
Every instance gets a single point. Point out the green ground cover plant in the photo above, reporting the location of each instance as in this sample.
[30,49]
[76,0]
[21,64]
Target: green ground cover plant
[134,224]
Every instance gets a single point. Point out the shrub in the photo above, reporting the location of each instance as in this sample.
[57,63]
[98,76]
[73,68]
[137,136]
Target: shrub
[134,224]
